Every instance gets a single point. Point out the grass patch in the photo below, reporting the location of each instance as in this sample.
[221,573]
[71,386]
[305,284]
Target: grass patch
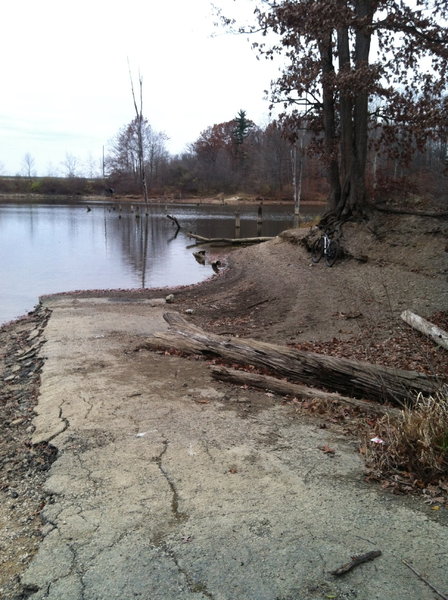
[415,442]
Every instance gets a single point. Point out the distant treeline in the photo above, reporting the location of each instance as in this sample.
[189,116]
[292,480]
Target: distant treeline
[53,186]
[239,158]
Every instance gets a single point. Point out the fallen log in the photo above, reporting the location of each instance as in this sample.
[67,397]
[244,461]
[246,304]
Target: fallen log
[349,377]
[232,241]
[286,388]
[437,334]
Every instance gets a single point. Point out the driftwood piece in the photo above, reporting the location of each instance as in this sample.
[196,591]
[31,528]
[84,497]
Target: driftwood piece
[348,377]
[356,560]
[232,241]
[175,221]
[286,388]
[437,334]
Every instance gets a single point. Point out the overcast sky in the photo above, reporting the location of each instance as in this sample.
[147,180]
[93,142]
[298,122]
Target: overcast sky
[65,80]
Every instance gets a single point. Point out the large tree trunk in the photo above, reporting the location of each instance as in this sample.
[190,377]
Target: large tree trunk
[353,112]
[357,201]
[349,377]
[346,106]
[331,149]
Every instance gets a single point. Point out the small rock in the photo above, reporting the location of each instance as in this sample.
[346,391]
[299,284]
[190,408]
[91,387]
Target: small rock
[169,299]
[189,311]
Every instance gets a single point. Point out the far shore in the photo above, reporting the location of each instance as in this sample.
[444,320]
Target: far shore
[220,199]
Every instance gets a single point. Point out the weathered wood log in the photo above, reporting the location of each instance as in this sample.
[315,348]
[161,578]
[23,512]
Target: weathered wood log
[231,241]
[348,377]
[286,388]
[437,334]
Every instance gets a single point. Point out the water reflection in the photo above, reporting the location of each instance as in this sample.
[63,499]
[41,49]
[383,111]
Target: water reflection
[52,248]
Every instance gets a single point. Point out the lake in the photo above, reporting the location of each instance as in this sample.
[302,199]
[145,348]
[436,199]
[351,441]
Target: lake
[50,248]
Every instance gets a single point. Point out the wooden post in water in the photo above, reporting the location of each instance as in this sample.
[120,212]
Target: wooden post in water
[260,219]
[237,225]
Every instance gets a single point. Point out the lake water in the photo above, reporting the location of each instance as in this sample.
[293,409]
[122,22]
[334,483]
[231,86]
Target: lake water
[49,248]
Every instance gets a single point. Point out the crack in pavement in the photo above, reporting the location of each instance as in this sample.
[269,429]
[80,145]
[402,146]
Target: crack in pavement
[95,483]
[87,400]
[69,572]
[179,516]
[193,586]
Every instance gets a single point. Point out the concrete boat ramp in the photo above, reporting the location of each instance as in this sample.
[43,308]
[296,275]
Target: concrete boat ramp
[169,485]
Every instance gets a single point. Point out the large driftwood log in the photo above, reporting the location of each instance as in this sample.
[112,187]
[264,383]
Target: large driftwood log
[348,377]
[286,388]
[233,241]
[200,239]
[426,327]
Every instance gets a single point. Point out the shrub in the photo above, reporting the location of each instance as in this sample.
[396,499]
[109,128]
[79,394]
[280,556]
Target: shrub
[415,441]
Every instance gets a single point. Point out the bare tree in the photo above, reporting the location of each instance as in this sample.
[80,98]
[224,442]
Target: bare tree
[28,166]
[71,165]
[139,122]
[124,152]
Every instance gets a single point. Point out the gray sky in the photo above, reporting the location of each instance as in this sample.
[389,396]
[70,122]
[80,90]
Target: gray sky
[65,80]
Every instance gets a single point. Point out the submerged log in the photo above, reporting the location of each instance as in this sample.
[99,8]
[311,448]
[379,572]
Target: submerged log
[349,377]
[286,388]
[437,334]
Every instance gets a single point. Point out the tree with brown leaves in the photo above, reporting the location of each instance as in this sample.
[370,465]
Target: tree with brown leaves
[344,57]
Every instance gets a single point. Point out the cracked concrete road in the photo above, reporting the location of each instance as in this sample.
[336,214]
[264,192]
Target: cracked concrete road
[169,485]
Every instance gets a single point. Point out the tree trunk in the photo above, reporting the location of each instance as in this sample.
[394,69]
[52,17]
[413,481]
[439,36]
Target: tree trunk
[364,12]
[346,107]
[353,112]
[331,149]
[349,377]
